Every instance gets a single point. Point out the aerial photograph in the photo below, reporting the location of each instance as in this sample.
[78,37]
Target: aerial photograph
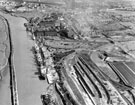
[67,52]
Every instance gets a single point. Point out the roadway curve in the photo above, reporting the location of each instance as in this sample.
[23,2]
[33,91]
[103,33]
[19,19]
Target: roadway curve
[29,87]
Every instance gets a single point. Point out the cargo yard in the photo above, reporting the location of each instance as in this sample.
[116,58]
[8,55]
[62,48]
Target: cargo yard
[84,81]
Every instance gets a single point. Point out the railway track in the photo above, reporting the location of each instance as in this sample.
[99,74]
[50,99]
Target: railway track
[125,73]
[91,70]
[90,77]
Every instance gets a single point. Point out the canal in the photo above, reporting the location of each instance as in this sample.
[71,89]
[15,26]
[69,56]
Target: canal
[28,85]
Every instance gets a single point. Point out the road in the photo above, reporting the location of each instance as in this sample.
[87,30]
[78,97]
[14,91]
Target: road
[28,85]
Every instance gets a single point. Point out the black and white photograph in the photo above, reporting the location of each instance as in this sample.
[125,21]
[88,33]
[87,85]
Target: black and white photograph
[67,52]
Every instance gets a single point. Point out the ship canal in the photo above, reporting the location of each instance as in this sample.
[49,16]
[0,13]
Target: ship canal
[29,88]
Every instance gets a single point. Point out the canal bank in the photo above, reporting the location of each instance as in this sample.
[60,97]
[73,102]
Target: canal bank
[5,78]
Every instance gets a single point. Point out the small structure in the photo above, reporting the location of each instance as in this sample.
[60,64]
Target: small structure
[39,33]
[43,71]
[50,33]
[36,47]
[46,23]
[52,75]
[49,61]
[39,57]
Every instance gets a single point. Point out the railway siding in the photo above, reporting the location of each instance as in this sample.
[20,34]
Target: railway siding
[125,71]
